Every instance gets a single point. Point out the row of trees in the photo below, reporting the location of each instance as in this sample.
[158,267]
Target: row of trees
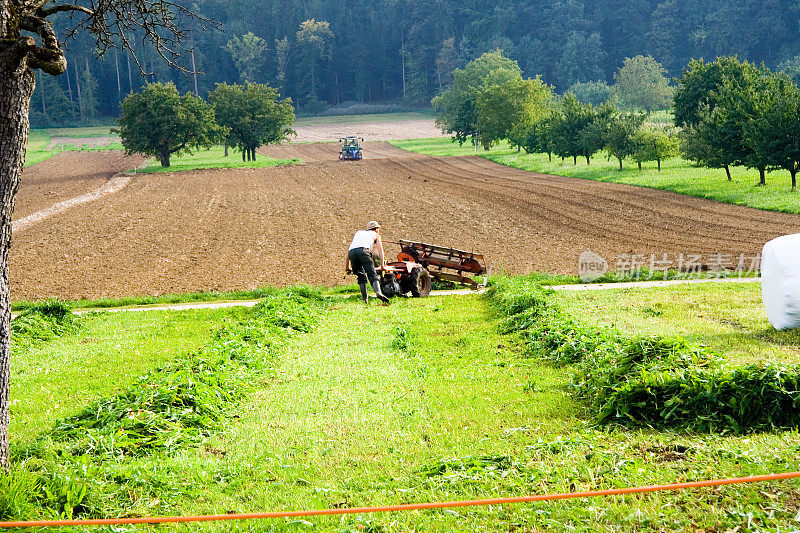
[574,129]
[160,122]
[736,113]
[321,53]
[727,113]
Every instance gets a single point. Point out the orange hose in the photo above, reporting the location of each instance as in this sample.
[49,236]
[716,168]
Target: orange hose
[404,507]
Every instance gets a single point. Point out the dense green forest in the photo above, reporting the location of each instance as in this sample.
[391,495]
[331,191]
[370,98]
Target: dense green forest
[323,53]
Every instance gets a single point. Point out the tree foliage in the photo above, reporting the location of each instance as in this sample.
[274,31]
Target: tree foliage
[160,122]
[457,108]
[655,144]
[592,92]
[772,133]
[641,84]
[248,53]
[620,138]
[252,115]
[563,41]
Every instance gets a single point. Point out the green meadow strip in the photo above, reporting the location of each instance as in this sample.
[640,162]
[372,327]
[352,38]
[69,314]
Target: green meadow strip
[648,381]
[90,459]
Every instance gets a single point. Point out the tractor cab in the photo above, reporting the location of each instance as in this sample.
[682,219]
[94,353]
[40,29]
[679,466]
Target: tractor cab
[351,149]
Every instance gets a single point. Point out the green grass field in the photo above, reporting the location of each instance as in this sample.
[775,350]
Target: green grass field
[213,158]
[39,142]
[730,318]
[676,175]
[425,401]
[360,119]
[108,352]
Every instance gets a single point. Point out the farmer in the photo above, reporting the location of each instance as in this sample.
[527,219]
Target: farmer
[360,258]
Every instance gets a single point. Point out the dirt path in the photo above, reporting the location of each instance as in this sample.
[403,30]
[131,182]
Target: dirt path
[67,175]
[228,229]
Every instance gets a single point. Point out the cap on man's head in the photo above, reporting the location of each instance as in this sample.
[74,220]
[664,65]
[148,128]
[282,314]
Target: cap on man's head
[373,225]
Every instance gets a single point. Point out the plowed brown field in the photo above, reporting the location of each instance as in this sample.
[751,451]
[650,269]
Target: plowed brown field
[67,175]
[227,229]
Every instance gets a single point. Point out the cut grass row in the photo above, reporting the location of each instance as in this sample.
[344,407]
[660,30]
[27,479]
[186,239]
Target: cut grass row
[425,401]
[677,175]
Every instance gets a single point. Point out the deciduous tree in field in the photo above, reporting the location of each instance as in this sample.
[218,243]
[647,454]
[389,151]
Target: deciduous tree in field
[620,136]
[457,108]
[640,84]
[252,115]
[28,41]
[160,122]
[696,92]
[510,107]
[654,144]
[773,131]
[737,101]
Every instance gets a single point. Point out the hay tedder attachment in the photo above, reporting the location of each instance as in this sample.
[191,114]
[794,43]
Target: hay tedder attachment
[418,263]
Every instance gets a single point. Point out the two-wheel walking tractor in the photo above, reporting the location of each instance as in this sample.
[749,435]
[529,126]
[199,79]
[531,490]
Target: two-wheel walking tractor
[419,263]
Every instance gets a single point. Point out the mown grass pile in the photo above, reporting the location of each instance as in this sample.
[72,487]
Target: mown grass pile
[87,465]
[42,322]
[648,381]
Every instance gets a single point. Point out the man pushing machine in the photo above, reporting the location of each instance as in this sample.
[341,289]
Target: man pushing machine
[359,260]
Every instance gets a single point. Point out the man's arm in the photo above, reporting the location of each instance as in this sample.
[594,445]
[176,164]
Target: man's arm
[379,243]
[347,262]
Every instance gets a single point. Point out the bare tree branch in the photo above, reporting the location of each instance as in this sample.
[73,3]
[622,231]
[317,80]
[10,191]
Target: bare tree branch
[48,57]
[42,12]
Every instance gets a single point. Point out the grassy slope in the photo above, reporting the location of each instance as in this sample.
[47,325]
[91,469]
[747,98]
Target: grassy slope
[677,175]
[213,158]
[108,353]
[347,417]
[729,318]
[460,416]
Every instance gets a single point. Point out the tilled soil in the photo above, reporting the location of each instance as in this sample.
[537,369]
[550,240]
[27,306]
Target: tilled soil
[67,175]
[228,229]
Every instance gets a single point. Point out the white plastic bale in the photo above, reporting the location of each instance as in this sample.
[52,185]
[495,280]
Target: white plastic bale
[780,281]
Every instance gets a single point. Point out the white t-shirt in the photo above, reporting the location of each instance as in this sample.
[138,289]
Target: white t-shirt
[364,239]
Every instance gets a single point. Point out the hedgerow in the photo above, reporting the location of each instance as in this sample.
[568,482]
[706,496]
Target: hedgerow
[648,381]
[86,460]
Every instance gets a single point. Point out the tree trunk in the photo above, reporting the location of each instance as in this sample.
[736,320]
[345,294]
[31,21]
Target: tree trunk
[728,172]
[164,156]
[659,164]
[762,176]
[130,76]
[244,155]
[119,80]
[588,161]
[550,157]
[254,153]
[793,173]
[620,163]
[639,163]
[226,149]
[78,87]
[574,159]
[16,88]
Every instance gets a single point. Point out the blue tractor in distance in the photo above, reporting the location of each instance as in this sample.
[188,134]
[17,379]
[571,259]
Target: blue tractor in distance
[351,149]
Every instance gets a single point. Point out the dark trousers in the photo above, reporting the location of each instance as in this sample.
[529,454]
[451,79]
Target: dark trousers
[362,265]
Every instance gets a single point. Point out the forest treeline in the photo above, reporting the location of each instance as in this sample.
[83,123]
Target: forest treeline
[325,53]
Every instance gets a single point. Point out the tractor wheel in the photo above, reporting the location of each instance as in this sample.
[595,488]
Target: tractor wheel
[419,282]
